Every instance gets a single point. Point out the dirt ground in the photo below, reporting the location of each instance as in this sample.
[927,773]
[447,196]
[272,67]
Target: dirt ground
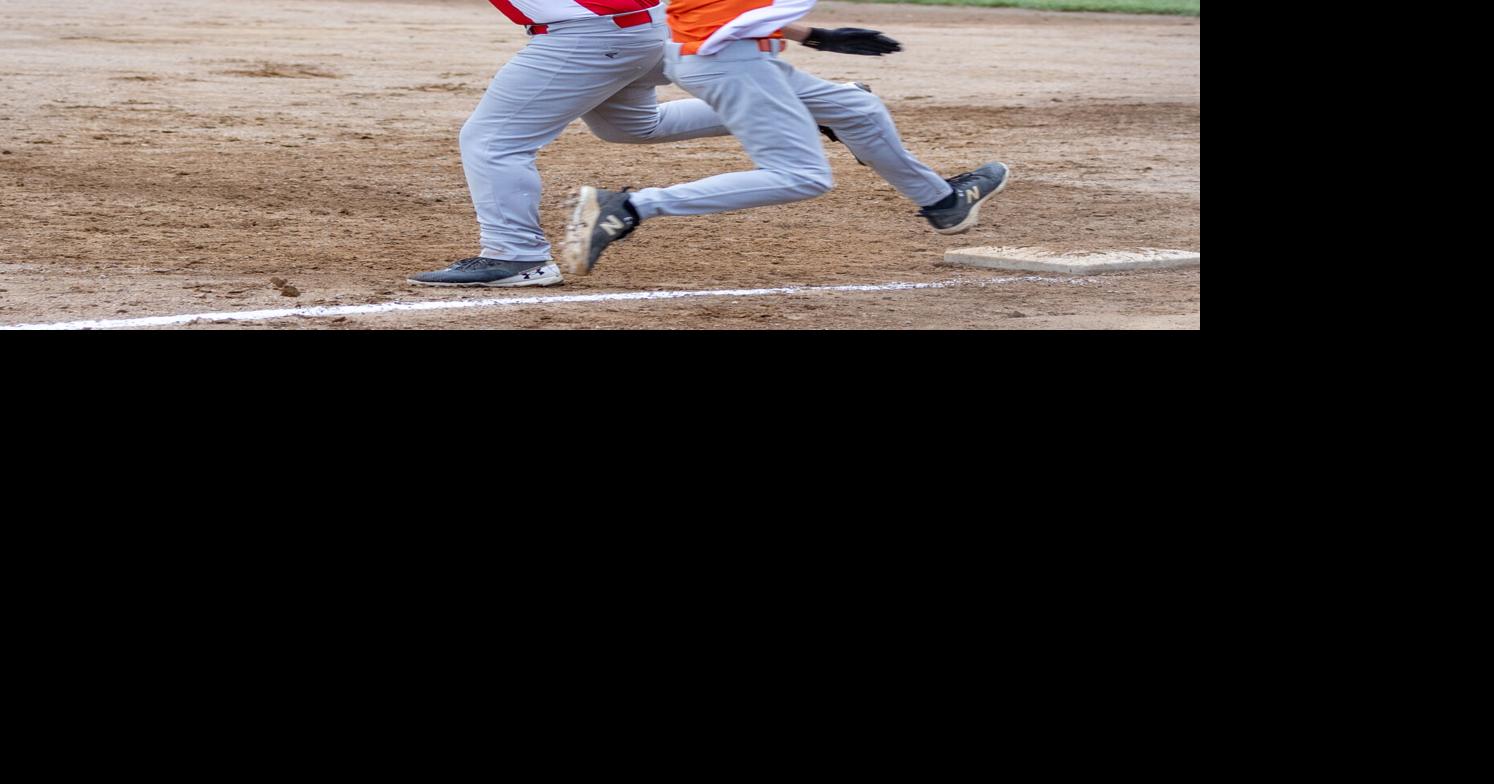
[162,157]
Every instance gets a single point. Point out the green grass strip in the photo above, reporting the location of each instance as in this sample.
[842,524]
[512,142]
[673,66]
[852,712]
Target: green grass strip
[1174,7]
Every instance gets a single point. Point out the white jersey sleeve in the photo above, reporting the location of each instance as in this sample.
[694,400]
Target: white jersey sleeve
[760,23]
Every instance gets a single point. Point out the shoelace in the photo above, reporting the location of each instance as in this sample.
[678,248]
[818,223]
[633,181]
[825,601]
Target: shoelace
[958,183]
[964,179]
[466,264]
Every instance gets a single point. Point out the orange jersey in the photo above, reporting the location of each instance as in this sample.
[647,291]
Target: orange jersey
[705,26]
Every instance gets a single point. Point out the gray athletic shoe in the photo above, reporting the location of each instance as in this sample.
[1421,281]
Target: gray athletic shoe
[601,218]
[971,191]
[492,273]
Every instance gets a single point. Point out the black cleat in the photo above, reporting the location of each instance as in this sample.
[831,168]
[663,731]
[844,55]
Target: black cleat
[830,132]
[970,192]
[602,217]
[492,273]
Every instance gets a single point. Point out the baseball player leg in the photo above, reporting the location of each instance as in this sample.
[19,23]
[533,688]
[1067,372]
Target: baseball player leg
[549,84]
[750,91]
[862,122]
[635,116]
[516,118]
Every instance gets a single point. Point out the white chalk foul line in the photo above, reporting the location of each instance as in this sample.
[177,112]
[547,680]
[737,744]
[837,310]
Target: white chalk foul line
[510,302]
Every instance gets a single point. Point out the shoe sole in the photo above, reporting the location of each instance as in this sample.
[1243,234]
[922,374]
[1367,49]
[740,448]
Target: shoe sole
[542,282]
[577,249]
[974,216]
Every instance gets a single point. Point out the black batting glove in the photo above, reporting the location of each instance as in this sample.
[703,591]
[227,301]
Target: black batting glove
[852,40]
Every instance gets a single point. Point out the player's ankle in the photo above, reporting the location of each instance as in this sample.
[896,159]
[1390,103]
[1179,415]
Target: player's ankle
[945,203]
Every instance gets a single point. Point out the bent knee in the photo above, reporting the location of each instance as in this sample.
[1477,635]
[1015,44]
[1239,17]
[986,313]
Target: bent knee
[614,134]
[481,145]
[471,137]
[820,187]
[813,183]
[856,109]
[861,100]
[819,179]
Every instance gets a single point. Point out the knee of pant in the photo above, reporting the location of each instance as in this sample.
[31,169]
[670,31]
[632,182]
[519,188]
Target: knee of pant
[815,182]
[608,132]
[471,138]
[867,102]
[869,110]
[480,146]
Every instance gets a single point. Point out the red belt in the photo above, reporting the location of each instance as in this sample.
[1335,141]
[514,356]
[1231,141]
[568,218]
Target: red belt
[625,21]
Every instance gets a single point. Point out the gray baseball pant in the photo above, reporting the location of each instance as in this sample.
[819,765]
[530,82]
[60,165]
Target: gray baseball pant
[590,69]
[773,109]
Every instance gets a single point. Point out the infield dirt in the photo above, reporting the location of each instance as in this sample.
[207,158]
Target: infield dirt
[165,156]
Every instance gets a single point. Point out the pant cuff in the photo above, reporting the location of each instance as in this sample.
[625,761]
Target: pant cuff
[537,258]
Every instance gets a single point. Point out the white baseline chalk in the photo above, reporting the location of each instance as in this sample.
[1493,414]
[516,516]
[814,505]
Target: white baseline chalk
[512,302]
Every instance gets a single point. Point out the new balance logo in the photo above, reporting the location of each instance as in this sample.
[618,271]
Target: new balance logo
[612,55]
[613,225]
[972,195]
